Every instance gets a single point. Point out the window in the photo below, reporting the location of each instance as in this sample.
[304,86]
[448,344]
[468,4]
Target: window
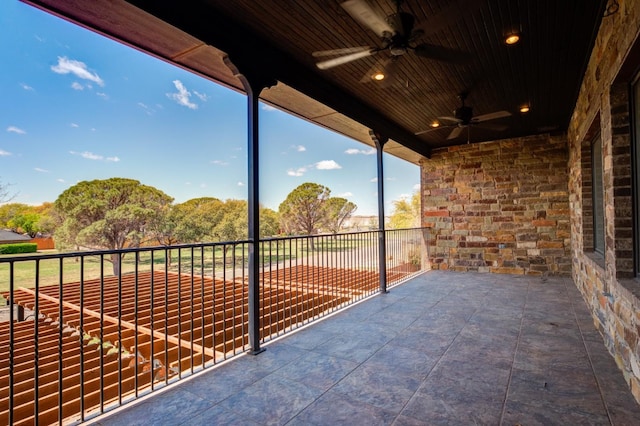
[597,194]
[635,123]
[592,192]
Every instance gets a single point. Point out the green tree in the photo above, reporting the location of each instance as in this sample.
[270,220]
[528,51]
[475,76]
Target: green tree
[108,214]
[302,211]
[269,222]
[27,219]
[232,225]
[337,210]
[406,213]
[27,223]
[11,210]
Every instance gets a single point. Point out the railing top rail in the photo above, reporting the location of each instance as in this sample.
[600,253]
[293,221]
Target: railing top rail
[85,253]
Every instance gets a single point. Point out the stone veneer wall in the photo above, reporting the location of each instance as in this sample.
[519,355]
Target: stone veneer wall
[604,281]
[499,207]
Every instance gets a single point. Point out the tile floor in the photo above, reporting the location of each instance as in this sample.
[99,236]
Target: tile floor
[443,348]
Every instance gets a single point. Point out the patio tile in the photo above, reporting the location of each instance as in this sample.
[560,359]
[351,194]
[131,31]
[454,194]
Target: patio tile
[570,389]
[352,348]
[517,413]
[219,416]
[413,361]
[337,409]
[445,401]
[309,338]
[171,407]
[474,368]
[274,357]
[273,400]
[389,388]
[222,382]
[318,370]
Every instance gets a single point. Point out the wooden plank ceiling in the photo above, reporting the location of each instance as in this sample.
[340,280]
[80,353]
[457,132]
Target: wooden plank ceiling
[274,40]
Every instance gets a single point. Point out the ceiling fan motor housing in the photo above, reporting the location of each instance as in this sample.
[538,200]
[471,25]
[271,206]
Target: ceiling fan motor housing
[464,114]
[403,23]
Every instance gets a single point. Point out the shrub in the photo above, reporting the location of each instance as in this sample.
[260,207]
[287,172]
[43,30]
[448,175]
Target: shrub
[18,248]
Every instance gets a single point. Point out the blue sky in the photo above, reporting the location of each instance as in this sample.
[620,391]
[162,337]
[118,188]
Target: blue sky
[76,106]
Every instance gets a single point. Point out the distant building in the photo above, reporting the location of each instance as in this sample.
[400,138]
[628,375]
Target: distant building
[10,237]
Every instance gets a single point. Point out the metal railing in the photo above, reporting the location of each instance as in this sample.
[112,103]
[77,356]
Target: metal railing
[111,326]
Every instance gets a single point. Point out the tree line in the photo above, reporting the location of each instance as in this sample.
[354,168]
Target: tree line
[117,213]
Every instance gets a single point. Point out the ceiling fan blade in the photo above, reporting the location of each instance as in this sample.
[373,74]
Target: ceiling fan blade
[448,15]
[344,59]
[449,118]
[441,53]
[491,116]
[362,12]
[344,51]
[433,129]
[455,133]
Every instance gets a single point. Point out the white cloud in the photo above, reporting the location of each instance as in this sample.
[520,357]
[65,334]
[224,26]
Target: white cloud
[404,196]
[77,68]
[266,107]
[327,165]
[60,180]
[299,148]
[77,86]
[375,179]
[416,187]
[354,151]
[102,95]
[90,155]
[297,172]
[240,183]
[38,169]
[202,96]
[96,157]
[14,129]
[187,183]
[4,153]
[203,185]
[26,87]
[74,125]
[183,96]
[345,194]
[219,162]
[147,109]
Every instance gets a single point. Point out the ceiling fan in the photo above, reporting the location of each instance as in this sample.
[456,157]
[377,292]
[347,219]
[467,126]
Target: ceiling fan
[463,118]
[398,36]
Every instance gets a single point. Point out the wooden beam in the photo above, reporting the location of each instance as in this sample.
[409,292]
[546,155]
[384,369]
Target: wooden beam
[125,324]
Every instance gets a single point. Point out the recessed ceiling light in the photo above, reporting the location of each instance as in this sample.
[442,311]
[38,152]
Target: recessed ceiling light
[512,38]
[524,109]
[378,76]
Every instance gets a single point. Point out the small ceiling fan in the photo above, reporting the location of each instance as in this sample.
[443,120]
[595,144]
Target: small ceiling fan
[398,37]
[463,118]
